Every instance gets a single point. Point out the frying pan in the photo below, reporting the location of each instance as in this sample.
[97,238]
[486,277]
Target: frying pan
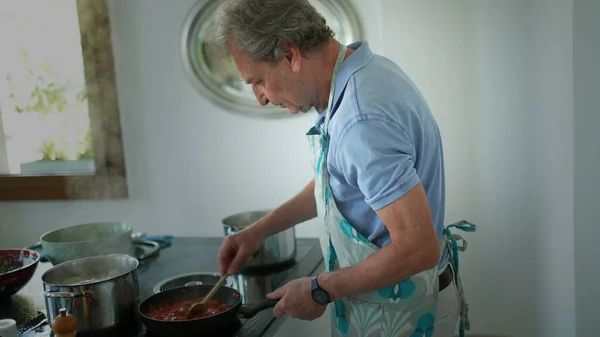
[198,326]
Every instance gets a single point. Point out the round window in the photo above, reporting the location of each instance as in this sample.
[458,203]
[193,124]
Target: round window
[218,79]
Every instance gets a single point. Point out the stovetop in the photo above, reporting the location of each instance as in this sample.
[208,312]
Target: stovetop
[137,330]
[194,260]
[228,332]
[252,287]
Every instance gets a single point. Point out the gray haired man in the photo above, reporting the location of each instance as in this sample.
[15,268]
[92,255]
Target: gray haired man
[378,186]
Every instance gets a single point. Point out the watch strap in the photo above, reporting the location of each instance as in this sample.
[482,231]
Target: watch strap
[319,295]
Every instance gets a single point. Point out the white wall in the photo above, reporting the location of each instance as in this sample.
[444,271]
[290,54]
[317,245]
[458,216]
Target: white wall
[587,164]
[501,272]
[551,134]
[498,76]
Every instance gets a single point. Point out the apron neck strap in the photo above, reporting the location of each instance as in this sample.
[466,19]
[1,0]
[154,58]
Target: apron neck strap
[338,62]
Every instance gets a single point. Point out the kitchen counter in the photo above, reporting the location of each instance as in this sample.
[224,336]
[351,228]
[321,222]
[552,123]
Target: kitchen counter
[184,256]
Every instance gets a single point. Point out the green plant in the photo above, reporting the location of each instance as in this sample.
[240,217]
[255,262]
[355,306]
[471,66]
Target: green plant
[49,152]
[85,148]
[47,94]
[37,89]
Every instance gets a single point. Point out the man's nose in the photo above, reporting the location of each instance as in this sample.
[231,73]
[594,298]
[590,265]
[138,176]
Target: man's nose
[260,97]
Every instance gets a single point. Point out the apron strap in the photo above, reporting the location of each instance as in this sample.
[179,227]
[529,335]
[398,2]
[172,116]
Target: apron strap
[340,58]
[454,248]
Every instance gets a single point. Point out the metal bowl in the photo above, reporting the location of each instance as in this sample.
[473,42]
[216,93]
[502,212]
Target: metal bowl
[17,266]
[85,240]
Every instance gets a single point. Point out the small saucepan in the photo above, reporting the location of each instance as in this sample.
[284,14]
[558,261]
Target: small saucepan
[157,311]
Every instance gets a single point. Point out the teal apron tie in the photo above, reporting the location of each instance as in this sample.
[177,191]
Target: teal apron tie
[454,248]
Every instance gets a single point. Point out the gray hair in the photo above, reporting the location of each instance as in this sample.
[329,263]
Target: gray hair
[260,28]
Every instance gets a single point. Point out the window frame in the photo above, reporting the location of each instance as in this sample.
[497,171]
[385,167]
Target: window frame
[109,181]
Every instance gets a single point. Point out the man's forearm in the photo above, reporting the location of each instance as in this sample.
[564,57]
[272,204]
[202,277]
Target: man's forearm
[302,207]
[392,264]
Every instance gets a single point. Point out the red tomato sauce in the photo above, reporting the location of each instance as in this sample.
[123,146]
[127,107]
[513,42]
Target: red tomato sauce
[177,311]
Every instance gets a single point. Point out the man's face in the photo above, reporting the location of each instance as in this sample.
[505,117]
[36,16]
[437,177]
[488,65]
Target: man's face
[281,84]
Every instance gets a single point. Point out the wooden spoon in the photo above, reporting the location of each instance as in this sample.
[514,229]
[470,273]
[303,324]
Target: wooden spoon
[200,307]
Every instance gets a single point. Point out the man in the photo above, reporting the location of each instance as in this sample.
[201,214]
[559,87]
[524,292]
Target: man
[379,176]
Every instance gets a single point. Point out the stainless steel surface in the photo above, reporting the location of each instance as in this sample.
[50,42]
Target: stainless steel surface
[101,291]
[218,79]
[85,240]
[64,294]
[277,249]
[255,289]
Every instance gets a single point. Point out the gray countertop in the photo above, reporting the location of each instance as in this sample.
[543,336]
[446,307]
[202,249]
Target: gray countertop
[185,255]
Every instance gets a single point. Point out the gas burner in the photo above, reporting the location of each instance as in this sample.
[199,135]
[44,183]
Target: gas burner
[184,280]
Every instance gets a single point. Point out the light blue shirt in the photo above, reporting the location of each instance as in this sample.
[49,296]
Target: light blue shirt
[383,141]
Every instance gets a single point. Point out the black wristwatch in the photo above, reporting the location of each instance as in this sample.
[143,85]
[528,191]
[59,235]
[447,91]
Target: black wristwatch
[319,294]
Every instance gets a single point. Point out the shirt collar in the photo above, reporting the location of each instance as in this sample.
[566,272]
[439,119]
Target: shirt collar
[362,55]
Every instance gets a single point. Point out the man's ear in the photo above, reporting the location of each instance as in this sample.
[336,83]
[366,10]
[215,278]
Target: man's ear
[293,57]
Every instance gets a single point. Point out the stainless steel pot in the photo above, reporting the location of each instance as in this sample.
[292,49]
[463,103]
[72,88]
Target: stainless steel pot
[277,250]
[101,291]
[85,240]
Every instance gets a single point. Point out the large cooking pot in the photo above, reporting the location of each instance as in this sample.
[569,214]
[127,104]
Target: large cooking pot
[85,240]
[101,291]
[278,250]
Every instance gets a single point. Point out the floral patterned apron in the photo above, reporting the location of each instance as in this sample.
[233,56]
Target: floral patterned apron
[407,308]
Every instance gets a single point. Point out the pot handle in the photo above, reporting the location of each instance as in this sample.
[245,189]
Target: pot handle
[249,312]
[87,295]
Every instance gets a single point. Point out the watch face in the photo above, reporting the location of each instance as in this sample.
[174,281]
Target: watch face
[320,297]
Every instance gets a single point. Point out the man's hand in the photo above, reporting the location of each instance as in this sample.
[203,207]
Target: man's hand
[237,249]
[296,301]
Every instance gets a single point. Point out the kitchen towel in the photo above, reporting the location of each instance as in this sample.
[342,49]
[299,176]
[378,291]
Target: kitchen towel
[163,241]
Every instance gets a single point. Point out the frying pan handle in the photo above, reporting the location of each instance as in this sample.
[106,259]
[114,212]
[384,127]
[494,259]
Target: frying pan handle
[249,312]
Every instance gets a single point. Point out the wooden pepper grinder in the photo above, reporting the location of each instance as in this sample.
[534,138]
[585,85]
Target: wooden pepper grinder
[64,325]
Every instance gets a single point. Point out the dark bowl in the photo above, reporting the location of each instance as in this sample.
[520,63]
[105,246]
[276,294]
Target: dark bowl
[17,266]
